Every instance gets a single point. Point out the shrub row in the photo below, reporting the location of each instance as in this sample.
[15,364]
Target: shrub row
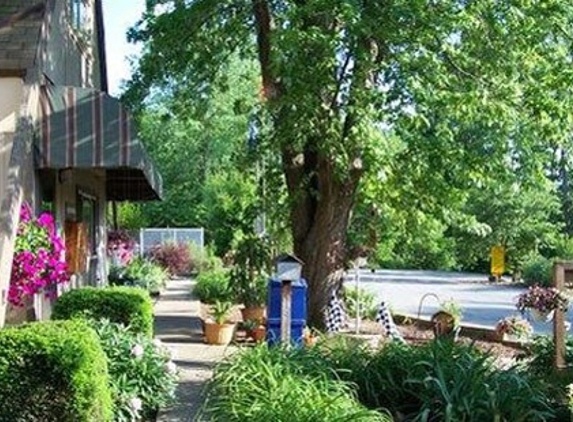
[274,384]
[124,305]
[83,367]
[441,381]
[53,371]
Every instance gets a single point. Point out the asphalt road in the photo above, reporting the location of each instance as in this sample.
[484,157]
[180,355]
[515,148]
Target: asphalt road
[482,303]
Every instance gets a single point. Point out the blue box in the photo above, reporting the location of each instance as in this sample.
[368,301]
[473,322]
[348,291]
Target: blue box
[298,312]
[296,331]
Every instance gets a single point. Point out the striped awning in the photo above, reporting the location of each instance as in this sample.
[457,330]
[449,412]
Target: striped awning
[88,129]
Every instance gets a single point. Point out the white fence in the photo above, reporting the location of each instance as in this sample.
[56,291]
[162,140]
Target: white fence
[148,238]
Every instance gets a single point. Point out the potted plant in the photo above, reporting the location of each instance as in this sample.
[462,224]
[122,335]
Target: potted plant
[447,319]
[541,302]
[255,329]
[218,330]
[249,277]
[513,328]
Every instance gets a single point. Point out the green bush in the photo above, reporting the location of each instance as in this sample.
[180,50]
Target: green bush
[204,259]
[213,286]
[140,369]
[537,270]
[140,272]
[366,300]
[444,381]
[53,371]
[124,305]
[274,384]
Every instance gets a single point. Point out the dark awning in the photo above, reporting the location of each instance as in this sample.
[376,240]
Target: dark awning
[86,128]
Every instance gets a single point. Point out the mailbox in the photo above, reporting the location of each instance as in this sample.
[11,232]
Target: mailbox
[287,302]
[288,267]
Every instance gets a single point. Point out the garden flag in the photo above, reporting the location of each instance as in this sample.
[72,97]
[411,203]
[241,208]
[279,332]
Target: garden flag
[385,318]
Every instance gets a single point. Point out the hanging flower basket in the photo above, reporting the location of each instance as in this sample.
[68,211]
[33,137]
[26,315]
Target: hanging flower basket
[39,263]
[540,316]
[541,302]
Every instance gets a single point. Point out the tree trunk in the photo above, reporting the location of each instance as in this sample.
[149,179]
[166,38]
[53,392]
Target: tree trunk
[320,214]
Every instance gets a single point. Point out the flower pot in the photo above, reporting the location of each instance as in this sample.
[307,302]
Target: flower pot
[220,334]
[256,313]
[258,334]
[541,316]
[513,338]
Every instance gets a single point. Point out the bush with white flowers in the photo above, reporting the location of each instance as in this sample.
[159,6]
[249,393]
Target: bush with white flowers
[143,374]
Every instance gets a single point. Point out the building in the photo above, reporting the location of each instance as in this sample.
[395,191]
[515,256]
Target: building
[65,144]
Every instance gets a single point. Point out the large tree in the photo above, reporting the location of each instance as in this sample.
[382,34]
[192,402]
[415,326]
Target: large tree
[341,78]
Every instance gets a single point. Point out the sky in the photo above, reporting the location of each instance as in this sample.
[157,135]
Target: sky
[119,16]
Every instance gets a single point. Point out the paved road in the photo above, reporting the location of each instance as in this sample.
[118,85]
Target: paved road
[482,303]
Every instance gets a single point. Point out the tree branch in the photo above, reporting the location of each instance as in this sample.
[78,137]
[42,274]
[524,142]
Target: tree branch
[264,27]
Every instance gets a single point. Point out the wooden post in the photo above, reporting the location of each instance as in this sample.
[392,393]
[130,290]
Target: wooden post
[559,274]
[286,311]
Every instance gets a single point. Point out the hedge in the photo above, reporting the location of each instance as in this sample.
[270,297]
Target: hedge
[53,371]
[123,305]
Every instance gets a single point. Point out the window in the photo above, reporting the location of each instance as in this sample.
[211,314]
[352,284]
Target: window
[77,13]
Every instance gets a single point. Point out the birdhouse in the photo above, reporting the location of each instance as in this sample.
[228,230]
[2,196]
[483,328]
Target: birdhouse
[288,267]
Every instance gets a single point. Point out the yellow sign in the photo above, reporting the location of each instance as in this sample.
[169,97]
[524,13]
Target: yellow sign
[497,260]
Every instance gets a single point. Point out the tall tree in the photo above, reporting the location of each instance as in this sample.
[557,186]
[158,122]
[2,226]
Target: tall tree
[339,78]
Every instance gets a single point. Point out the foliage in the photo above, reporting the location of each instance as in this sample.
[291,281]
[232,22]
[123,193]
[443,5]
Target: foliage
[129,306]
[143,377]
[514,325]
[441,380]
[39,264]
[542,299]
[120,247]
[275,384]
[53,371]
[249,276]
[362,300]
[541,354]
[220,311]
[538,270]
[422,109]
[140,272]
[204,259]
[173,257]
[454,309]
[213,286]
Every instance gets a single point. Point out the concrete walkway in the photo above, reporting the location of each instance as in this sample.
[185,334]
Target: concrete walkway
[178,325]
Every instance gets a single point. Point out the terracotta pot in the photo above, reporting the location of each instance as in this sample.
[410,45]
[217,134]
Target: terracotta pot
[220,334]
[258,334]
[256,313]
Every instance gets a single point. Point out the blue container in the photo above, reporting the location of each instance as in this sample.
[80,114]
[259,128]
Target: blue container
[298,311]
[298,306]
[296,331]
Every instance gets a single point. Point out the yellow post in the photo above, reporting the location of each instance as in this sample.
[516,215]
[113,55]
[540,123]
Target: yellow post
[497,261]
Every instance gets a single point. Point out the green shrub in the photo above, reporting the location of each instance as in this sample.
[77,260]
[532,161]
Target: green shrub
[213,286]
[140,272]
[274,384]
[139,369]
[204,259]
[53,371]
[537,270]
[445,381]
[124,305]
[352,299]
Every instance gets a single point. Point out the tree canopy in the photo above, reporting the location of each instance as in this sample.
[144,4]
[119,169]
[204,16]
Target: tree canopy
[430,110]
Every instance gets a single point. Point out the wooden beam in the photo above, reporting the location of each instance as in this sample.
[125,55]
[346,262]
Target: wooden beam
[12,73]
[559,269]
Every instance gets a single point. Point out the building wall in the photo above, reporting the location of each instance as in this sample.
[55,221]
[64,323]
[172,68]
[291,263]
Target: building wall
[11,94]
[68,56]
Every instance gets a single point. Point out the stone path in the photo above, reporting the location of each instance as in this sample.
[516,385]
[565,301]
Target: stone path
[178,325]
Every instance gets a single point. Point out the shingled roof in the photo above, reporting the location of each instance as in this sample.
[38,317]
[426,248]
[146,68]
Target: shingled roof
[20,26]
